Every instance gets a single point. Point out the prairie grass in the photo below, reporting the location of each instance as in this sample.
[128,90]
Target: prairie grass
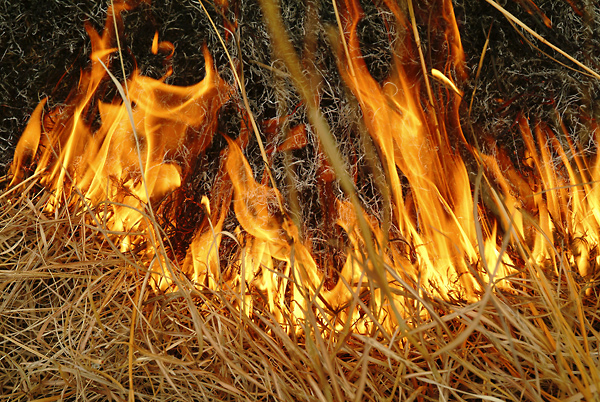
[80,322]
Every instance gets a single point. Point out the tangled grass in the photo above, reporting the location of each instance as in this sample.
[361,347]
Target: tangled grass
[80,322]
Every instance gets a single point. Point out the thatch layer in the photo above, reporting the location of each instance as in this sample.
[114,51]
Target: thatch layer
[79,322]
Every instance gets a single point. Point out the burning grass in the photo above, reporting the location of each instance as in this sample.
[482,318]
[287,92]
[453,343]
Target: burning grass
[80,322]
[473,280]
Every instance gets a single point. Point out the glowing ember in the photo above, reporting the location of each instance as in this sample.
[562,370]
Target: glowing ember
[126,155]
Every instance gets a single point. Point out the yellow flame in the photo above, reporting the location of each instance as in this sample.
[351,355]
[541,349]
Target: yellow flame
[442,241]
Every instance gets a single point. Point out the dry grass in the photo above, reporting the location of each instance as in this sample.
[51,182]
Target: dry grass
[79,322]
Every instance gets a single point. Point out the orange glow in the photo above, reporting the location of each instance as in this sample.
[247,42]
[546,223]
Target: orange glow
[436,214]
[130,160]
[125,155]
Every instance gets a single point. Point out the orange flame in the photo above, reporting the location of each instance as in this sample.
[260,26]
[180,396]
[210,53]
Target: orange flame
[441,241]
[143,147]
[436,213]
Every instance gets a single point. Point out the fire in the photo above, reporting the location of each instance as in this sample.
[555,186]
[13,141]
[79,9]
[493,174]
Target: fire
[144,147]
[455,210]
[437,213]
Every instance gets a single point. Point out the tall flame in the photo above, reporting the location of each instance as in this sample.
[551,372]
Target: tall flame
[125,155]
[436,213]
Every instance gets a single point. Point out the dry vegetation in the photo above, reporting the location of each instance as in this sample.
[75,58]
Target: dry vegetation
[79,320]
